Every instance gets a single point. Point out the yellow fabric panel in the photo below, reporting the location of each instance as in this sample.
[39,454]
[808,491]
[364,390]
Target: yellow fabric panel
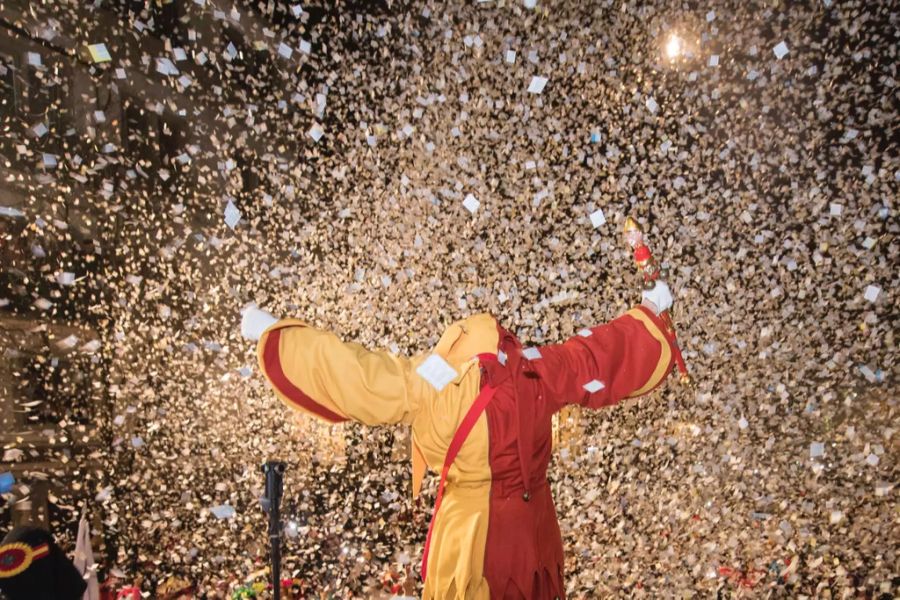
[374,388]
[456,560]
[441,413]
[665,355]
[438,421]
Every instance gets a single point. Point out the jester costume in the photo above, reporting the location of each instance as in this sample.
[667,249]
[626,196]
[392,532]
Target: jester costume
[495,532]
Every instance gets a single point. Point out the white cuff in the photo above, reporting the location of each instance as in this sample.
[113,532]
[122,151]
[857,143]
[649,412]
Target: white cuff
[255,322]
[660,296]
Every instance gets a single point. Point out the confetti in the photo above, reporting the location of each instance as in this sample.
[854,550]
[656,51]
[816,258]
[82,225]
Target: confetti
[531,353]
[8,211]
[285,50]
[772,194]
[780,50]
[437,372]
[594,386]
[232,215]
[537,84]
[99,53]
[471,203]
[223,511]
[7,481]
[872,293]
[816,449]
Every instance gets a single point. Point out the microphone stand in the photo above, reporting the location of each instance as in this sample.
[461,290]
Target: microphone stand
[271,501]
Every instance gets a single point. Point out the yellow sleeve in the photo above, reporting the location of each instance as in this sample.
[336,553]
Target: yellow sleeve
[315,372]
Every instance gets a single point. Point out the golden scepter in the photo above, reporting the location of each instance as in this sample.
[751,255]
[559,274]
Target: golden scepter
[651,271]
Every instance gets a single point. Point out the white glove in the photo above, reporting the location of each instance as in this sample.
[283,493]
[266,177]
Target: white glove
[659,299]
[255,322]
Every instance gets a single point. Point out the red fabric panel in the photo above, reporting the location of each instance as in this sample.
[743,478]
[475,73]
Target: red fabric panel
[523,554]
[272,361]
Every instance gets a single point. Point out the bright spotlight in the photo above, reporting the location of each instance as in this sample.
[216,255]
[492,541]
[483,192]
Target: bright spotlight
[673,47]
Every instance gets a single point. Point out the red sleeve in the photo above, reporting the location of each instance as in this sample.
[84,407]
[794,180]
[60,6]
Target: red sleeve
[624,358]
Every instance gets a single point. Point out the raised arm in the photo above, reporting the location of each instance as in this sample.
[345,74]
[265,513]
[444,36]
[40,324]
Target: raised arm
[627,357]
[315,372]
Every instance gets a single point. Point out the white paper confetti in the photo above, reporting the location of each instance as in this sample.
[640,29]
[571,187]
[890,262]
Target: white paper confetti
[223,511]
[780,50]
[598,218]
[285,50]
[531,353]
[816,449]
[8,211]
[437,371]
[68,342]
[232,215]
[471,203]
[537,84]
[593,386]
[872,293]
